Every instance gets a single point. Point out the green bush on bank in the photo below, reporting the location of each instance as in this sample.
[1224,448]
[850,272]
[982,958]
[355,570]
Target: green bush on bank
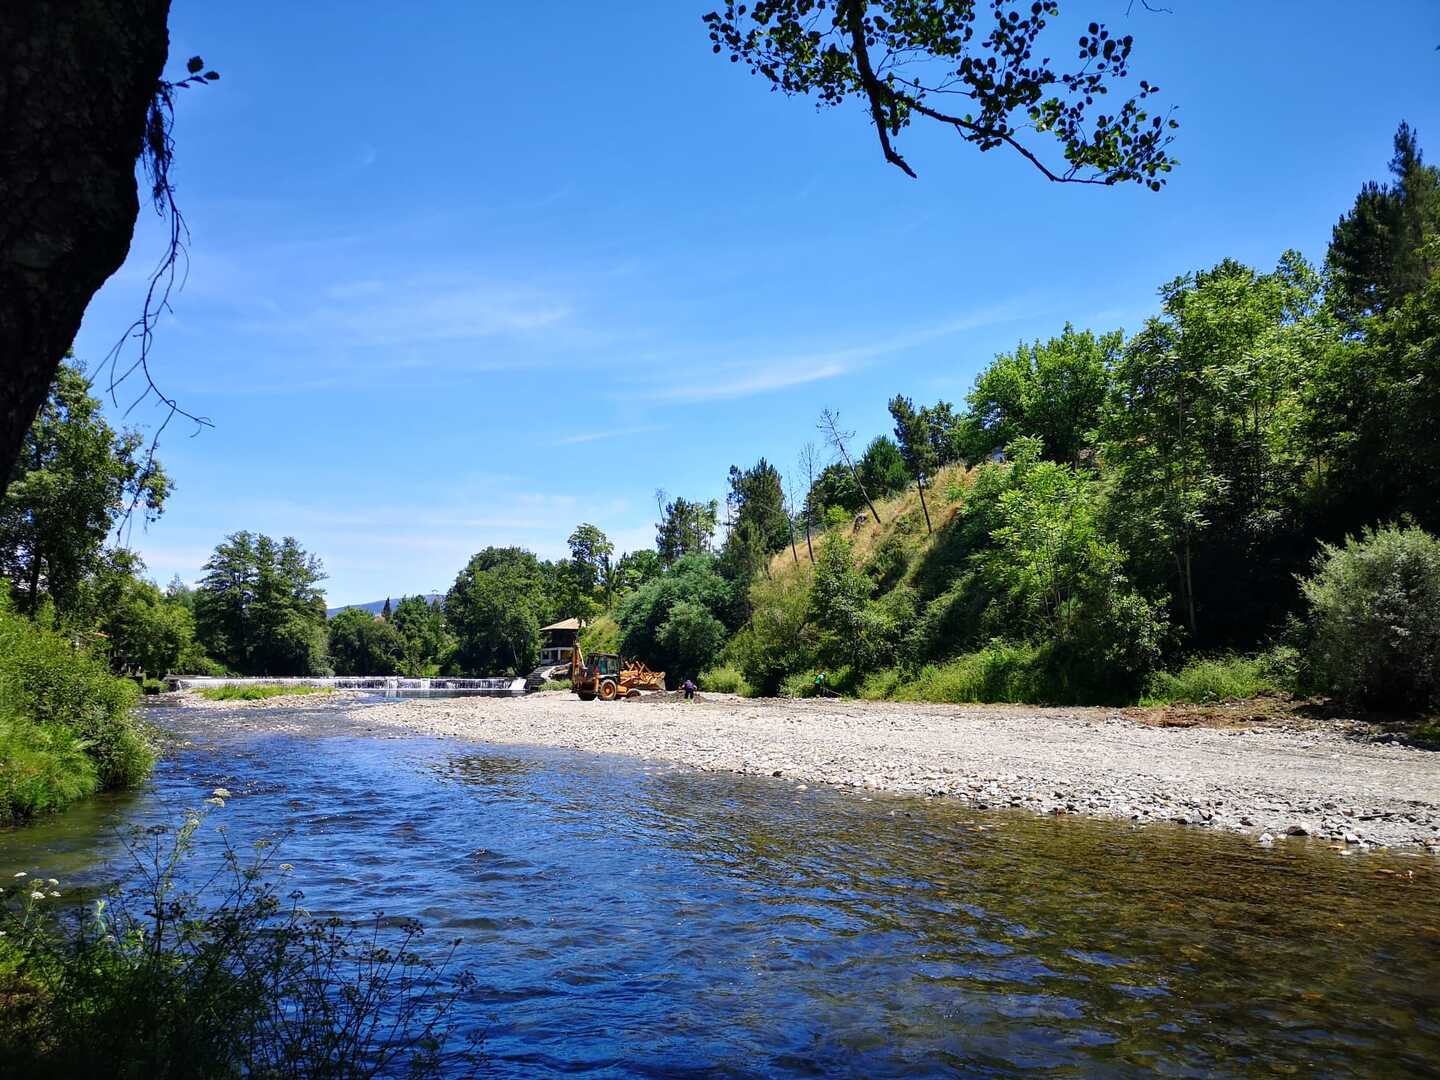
[67,728]
[1375,620]
[725,679]
[1210,680]
[231,981]
[1000,672]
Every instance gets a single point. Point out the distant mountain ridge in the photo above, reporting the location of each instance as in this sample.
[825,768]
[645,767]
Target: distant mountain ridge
[376,606]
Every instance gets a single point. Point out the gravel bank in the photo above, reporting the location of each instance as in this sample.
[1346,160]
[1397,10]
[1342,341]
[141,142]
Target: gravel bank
[1271,779]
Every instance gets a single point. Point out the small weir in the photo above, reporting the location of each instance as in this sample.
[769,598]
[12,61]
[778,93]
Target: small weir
[386,685]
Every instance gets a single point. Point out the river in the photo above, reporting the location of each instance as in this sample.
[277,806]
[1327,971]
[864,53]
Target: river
[625,918]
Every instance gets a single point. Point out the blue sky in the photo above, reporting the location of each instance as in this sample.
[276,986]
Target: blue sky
[471,274]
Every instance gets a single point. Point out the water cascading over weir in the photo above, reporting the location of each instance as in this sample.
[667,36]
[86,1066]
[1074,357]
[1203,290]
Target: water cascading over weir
[386,685]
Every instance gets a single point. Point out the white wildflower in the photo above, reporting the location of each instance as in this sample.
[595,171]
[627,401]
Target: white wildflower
[285,866]
[20,874]
[54,893]
[37,895]
[221,793]
[216,801]
[52,883]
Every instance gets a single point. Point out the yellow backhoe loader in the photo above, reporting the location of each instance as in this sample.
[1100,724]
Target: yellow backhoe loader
[608,676]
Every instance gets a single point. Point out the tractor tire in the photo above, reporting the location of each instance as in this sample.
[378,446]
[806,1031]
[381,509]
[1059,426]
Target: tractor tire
[586,696]
[633,694]
[608,691]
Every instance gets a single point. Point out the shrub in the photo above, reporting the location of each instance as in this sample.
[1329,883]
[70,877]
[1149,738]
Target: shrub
[157,981]
[725,679]
[798,685]
[1209,680]
[778,640]
[692,638]
[66,725]
[999,672]
[1375,619]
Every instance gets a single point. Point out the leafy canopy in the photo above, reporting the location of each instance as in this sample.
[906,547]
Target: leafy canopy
[985,76]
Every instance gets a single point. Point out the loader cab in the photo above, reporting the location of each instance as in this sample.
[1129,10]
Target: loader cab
[603,664]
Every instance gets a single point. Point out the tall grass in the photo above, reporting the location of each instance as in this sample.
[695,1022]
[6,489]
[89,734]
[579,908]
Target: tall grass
[998,673]
[67,728]
[725,679]
[258,692]
[1029,675]
[1212,680]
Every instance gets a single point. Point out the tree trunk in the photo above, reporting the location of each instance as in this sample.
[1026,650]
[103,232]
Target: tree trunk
[920,484]
[809,546]
[76,81]
[855,473]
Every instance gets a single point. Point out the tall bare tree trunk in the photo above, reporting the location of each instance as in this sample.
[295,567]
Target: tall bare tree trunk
[76,80]
[920,485]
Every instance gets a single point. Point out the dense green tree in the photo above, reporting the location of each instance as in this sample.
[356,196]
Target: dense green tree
[834,487]
[643,613]
[882,468]
[1054,390]
[74,480]
[1379,251]
[1373,419]
[591,553]
[259,608]
[949,432]
[758,524]
[685,528]
[1204,442]
[904,61]
[917,447]
[838,600]
[634,569]
[143,630]
[1054,579]
[426,644]
[495,610]
[364,644]
[691,638]
[178,592]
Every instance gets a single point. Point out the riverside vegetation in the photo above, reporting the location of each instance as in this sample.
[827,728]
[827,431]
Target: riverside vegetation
[233,978]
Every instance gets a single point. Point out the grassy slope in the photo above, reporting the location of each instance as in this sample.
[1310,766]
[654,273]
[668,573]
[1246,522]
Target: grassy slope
[1003,673]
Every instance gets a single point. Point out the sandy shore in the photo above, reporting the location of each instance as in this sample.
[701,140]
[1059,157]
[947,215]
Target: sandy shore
[1269,778]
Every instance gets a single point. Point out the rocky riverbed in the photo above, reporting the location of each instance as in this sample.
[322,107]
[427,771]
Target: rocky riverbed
[1278,779]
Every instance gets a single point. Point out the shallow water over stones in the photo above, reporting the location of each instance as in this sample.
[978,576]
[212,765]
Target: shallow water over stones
[631,919]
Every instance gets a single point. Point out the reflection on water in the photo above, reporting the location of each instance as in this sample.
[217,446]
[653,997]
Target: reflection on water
[626,919]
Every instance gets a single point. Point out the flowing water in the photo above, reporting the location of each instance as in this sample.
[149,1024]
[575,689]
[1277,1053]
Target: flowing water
[627,919]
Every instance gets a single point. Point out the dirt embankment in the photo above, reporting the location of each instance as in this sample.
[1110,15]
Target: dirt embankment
[1264,771]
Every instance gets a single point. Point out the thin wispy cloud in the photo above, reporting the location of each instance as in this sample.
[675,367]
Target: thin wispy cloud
[745,378]
[597,436]
[744,385]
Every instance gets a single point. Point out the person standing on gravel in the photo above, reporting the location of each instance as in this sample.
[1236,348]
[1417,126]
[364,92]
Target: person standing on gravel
[689,687]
